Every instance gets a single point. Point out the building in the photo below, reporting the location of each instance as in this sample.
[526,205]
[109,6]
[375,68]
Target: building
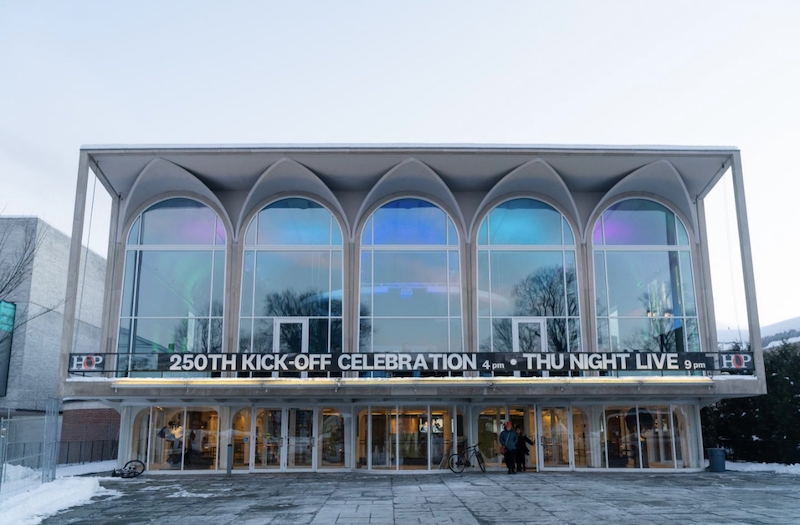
[33,280]
[380,307]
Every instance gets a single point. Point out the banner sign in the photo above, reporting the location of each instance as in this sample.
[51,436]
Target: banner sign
[8,312]
[419,362]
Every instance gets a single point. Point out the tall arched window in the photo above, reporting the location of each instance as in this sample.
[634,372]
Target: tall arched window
[527,283]
[643,280]
[173,289]
[292,280]
[410,280]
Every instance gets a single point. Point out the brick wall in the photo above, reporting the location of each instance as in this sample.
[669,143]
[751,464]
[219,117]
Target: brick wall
[90,424]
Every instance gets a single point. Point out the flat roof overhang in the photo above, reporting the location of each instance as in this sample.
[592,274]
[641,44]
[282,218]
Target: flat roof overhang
[357,167]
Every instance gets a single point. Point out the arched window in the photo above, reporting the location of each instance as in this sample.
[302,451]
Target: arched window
[527,283]
[173,289]
[292,280]
[644,288]
[410,280]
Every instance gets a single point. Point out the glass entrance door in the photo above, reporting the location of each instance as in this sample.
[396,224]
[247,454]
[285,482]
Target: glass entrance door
[269,444]
[290,336]
[301,445]
[553,442]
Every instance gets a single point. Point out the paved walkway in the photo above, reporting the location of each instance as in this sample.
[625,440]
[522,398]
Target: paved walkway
[467,499]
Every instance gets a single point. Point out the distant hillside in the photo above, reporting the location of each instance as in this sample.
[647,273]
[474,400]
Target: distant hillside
[788,329]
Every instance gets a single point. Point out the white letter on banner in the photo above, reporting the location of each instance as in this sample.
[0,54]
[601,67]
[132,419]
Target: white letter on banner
[405,362]
[229,361]
[301,362]
[344,362]
[419,363]
[247,362]
[454,362]
[470,362]
[214,358]
[578,362]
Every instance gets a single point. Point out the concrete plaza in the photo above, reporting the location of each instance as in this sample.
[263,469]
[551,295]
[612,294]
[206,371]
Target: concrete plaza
[469,498]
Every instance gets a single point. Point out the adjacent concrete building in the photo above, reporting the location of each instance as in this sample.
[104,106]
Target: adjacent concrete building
[382,307]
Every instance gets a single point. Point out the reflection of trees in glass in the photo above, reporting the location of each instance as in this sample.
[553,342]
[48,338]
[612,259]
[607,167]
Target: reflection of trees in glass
[199,325]
[662,333]
[541,294]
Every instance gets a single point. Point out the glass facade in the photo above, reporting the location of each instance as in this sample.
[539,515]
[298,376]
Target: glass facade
[291,299]
[410,286]
[527,280]
[644,288]
[174,284]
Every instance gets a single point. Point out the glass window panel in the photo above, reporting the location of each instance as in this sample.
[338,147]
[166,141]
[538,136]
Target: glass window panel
[365,335]
[597,234]
[215,345]
[687,284]
[603,343]
[133,235]
[683,237]
[219,238]
[218,293]
[174,284]
[483,233]
[250,236]
[557,335]
[366,235]
[525,221]
[413,430]
[410,283]
[292,284]
[410,221]
[366,283]
[600,289]
[336,232]
[574,327]
[622,435]
[262,335]
[456,344]
[336,335]
[127,284]
[410,335]
[165,335]
[650,335]
[454,277]
[484,293]
[569,239]
[485,334]
[452,234]
[529,284]
[123,346]
[638,283]
[294,221]
[332,450]
[179,222]
[639,222]
[336,283]
[318,336]
[692,335]
[201,439]
[502,336]
[245,335]
[571,279]
[248,269]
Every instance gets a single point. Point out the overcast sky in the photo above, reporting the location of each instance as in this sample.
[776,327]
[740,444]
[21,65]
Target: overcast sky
[634,73]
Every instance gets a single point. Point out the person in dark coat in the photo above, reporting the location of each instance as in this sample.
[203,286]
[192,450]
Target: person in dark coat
[508,440]
[522,449]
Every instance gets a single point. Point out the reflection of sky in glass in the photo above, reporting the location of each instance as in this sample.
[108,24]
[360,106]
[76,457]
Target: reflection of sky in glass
[410,283]
[181,222]
[638,282]
[174,284]
[408,221]
[295,221]
[523,221]
[410,335]
[639,222]
[296,272]
[509,269]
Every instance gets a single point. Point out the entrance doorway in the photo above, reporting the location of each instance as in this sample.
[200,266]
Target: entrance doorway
[554,439]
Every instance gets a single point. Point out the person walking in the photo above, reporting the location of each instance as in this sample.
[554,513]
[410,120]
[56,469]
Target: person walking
[508,446]
[522,449]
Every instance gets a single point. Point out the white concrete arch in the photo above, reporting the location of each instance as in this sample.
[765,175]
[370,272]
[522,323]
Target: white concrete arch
[162,179]
[535,179]
[411,178]
[286,178]
[660,174]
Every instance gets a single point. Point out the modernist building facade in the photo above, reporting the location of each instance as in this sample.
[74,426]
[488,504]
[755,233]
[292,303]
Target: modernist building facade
[382,307]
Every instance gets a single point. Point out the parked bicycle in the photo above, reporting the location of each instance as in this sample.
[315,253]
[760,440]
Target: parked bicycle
[458,462]
[131,469]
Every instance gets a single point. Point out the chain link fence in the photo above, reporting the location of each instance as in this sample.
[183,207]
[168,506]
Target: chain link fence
[28,448]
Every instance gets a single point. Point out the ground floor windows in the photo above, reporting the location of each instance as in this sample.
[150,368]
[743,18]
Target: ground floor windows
[402,437]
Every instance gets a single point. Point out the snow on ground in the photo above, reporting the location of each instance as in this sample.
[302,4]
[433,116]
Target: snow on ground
[30,508]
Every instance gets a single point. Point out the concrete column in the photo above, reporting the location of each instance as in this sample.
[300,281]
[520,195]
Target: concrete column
[747,270]
[73,271]
[703,283]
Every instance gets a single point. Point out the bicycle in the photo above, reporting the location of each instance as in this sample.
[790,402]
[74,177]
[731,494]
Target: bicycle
[131,469]
[458,462]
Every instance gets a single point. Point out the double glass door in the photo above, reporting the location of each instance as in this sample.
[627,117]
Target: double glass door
[299,438]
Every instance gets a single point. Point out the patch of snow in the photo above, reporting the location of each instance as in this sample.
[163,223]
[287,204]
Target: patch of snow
[777,468]
[100,467]
[17,478]
[30,508]
[183,493]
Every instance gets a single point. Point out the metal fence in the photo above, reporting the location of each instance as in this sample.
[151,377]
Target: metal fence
[74,452]
[28,448]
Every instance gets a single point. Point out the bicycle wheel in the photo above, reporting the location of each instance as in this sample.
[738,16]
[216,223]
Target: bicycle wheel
[133,468]
[479,458]
[457,463]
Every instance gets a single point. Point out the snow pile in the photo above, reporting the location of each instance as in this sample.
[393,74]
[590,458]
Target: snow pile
[18,478]
[30,508]
[777,468]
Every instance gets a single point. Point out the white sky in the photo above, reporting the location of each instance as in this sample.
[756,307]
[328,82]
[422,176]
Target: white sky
[193,72]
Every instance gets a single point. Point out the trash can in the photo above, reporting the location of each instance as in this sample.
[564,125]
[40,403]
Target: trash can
[716,459]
